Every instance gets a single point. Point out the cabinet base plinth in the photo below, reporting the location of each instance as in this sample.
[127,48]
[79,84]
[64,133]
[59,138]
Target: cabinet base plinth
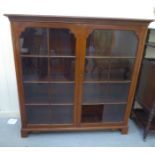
[26,131]
[24,134]
[124,131]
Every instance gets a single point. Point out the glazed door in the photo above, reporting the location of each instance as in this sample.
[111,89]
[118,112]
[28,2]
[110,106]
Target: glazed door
[48,62]
[76,78]
[108,64]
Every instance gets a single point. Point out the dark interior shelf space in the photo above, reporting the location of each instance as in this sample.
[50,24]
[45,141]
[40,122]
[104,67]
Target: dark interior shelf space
[102,113]
[48,93]
[46,114]
[108,69]
[105,92]
[48,69]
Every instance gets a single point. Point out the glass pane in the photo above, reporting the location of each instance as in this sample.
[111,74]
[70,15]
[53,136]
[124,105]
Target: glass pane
[62,114]
[121,69]
[50,114]
[49,93]
[102,69]
[61,93]
[114,113]
[33,41]
[38,114]
[118,92]
[62,42]
[35,69]
[95,93]
[111,43]
[62,69]
[36,93]
[97,69]
[102,113]
[105,93]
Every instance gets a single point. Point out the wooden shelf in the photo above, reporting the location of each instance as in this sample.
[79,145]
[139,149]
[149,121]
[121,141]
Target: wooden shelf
[70,56]
[109,57]
[48,82]
[47,56]
[49,104]
[59,104]
[119,81]
[103,103]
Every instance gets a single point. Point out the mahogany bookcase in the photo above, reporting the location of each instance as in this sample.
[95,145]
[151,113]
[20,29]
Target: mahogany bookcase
[76,73]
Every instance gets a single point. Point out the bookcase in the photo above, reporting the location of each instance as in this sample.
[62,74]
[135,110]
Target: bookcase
[76,73]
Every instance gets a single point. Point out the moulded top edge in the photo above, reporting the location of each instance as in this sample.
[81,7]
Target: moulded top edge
[23,17]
